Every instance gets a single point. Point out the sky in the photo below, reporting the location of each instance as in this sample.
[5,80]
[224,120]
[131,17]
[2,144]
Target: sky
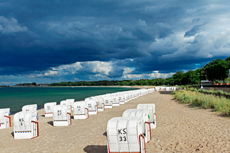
[50,41]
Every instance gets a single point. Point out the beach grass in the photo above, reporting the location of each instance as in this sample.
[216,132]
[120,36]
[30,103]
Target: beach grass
[197,99]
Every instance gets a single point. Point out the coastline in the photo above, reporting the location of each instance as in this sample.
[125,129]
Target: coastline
[41,95]
[76,86]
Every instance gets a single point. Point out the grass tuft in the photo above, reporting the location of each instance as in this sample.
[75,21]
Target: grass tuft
[197,99]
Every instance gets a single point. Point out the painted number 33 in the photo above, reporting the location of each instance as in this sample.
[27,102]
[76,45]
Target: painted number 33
[122,138]
[122,135]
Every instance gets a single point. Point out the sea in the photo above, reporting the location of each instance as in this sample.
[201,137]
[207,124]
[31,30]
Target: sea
[16,97]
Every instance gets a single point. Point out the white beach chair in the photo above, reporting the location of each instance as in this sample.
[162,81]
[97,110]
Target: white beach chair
[121,98]
[71,102]
[80,110]
[68,102]
[143,114]
[100,103]
[5,119]
[107,101]
[157,88]
[126,97]
[49,108]
[151,112]
[130,96]
[25,126]
[92,106]
[32,108]
[124,135]
[115,100]
[62,115]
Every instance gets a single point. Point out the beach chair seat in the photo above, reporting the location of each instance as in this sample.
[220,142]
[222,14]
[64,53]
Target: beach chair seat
[68,102]
[80,110]
[143,114]
[115,100]
[126,97]
[25,126]
[31,108]
[5,119]
[151,112]
[124,135]
[71,102]
[157,88]
[107,101]
[100,103]
[49,108]
[62,115]
[121,99]
[92,106]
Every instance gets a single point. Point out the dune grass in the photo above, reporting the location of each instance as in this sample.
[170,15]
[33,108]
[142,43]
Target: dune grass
[197,99]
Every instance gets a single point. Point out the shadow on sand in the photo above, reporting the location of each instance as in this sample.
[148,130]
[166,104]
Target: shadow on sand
[105,134]
[12,133]
[50,122]
[95,149]
[165,92]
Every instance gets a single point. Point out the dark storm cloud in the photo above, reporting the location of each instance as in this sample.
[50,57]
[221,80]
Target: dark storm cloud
[116,72]
[36,36]
[193,31]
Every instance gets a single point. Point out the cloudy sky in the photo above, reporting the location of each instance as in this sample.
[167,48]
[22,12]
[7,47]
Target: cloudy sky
[47,41]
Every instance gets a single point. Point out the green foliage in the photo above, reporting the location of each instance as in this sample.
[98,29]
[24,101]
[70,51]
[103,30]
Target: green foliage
[201,73]
[174,92]
[177,77]
[197,99]
[227,80]
[217,69]
[220,92]
[192,89]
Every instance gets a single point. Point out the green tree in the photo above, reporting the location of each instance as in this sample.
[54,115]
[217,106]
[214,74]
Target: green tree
[201,73]
[177,77]
[217,69]
[132,83]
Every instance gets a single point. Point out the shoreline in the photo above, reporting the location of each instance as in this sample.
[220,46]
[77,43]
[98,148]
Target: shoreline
[67,97]
[77,86]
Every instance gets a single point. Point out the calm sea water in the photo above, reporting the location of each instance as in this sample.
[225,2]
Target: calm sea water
[15,98]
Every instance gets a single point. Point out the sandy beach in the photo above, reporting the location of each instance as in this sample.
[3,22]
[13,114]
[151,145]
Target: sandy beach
[179,129]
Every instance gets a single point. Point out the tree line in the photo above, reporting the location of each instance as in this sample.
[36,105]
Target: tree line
[214,70]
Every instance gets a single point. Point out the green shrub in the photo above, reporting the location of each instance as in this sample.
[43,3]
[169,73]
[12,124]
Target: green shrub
[225,93]
[211,91]
[192,89]
[197,99]
[227,80]
[200,90]
[220,92]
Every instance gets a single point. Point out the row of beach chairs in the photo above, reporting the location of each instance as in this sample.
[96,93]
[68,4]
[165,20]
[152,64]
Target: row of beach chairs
[26,124]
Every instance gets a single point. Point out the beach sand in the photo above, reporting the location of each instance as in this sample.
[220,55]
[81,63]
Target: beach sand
[179,129]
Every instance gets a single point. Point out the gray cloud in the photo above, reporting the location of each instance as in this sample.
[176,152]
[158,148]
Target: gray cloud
[145,35]
[193,31]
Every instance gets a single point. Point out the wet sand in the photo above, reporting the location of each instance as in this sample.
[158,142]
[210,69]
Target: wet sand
[179,129]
